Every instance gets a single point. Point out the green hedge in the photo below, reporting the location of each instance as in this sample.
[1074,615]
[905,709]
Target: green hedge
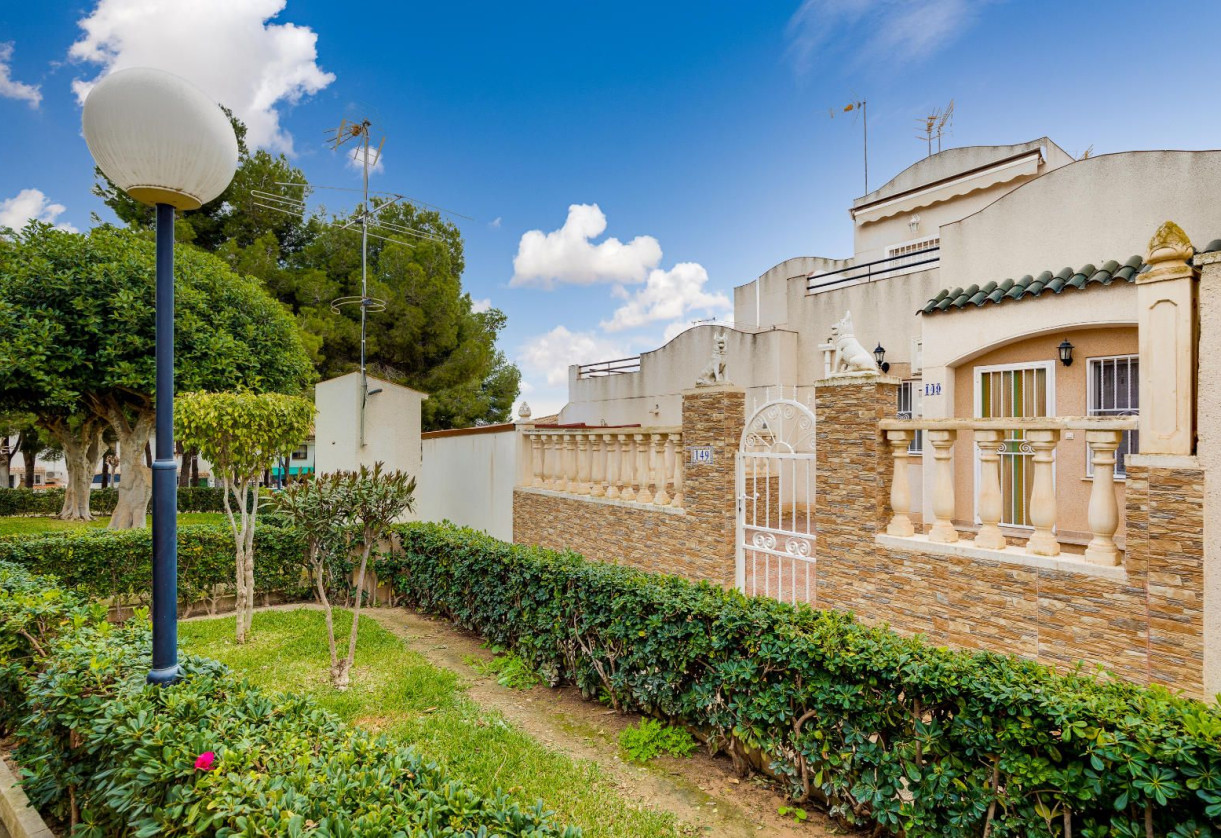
[101,501]
[883,729]
[106,564]
[90,731]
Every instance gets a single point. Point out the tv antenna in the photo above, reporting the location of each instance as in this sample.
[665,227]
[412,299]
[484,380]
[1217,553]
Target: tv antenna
[859,107]
[935,125]
[357,135]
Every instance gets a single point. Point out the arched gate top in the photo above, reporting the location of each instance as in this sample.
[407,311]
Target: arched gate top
[781,426]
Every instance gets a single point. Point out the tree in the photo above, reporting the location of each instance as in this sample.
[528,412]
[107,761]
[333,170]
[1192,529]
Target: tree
[242,434]
[77,333]
[11,427]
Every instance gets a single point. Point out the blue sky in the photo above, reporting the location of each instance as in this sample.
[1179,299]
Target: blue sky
[699,130]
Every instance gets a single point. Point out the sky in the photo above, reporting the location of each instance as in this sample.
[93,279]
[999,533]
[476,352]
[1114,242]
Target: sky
[616,169]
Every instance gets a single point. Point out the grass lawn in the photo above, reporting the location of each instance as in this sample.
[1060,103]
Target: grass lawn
[19,525]
[397,692]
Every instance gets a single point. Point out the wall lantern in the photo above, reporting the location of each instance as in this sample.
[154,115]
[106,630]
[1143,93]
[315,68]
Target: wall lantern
[879,355]
[166,143]
[1066,353]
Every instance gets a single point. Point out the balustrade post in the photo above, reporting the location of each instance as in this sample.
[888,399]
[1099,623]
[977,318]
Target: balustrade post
[569,483]
[536,460]
[597,467]
[627,460]
[643,472]
[990,501]
[1043,494]
[611,444]
[1104,509]
[676,440]
[900,492]
[582,464]
[942,440]
[550,471]
[661,476]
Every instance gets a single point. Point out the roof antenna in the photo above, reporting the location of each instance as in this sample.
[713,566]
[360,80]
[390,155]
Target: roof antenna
[859,106]
[935,125]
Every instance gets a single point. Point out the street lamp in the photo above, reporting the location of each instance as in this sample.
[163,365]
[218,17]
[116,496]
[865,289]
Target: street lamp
[164,142]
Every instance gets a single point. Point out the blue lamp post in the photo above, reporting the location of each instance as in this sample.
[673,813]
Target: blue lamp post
[165,143]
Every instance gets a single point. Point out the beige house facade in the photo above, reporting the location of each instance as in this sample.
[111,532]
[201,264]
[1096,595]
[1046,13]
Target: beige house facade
[986,425]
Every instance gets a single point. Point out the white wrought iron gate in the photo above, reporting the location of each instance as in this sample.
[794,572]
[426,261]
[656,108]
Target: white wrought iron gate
[776,554]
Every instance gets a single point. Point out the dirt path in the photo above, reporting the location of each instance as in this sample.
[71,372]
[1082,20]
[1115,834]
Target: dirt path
[702,791]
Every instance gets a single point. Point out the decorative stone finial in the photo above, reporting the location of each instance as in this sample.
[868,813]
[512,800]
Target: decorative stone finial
[714,373]
[850,357]
[524,412]
[1168,244]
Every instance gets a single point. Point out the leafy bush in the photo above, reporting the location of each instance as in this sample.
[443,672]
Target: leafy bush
[510,670]
[651,739]
[119,564]
[101,501]
[210,755]
[880,728]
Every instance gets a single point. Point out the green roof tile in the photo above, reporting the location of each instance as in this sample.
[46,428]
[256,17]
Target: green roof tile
[1078,279]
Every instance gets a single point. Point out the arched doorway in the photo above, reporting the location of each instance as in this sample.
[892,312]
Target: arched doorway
[775,548]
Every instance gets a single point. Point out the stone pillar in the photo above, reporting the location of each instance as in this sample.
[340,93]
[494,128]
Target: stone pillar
[900,493]
[942,441]
[1208,411]
[1166,304]
[712,418]
[855,466]
[597,467]
[1042,508]
[611,443]
[676,442]
[990,499]
[1103,509]
[660,475]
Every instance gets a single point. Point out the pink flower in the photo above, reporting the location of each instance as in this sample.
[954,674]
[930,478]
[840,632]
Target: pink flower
[206,761]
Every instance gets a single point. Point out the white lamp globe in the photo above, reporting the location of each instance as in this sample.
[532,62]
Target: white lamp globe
[159,138]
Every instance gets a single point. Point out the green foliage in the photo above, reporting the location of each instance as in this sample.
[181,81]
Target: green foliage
[241,434]
[651,739]
[795,812]
[878,727]
[102,501]
[105,564]
[510,670]
[96,742]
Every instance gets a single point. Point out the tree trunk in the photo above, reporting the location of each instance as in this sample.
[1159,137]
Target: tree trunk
[106,472]
[6,461]
[30,459]
[342,677]
[82,445]
[135,477]
[194,467]
[242,525]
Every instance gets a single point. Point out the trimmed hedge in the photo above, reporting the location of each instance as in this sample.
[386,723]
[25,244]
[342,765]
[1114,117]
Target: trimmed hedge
[881,728]
[91,733]
[118,565]
[102,501]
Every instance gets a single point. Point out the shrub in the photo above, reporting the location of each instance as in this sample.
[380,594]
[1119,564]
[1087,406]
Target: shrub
[210,755]
[119,564]
[651,739]
[101,501]
[510,670]
[880,728]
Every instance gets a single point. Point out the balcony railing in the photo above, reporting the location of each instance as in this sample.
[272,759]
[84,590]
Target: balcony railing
[637,465]
[879,269]
[616,367]
[1038,438]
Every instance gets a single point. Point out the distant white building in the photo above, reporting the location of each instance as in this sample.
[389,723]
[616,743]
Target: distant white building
[357,426]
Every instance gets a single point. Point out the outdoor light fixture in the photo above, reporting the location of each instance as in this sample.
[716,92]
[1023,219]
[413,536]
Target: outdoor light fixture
[879,355]
[164,142]
[1066,353]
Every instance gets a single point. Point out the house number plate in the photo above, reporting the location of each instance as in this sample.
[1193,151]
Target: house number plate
[701,455]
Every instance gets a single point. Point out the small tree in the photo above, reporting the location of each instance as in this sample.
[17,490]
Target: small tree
[370,500]
[242,434]
[316,508]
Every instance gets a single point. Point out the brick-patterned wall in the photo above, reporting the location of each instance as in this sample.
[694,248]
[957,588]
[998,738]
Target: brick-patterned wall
[696,542]
[1147,627]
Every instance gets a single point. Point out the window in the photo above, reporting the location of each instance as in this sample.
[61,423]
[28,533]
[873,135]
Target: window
[37,479]
[301,453]
[1114,390]
[909,408]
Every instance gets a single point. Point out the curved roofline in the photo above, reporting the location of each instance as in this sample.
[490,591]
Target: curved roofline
[715,326]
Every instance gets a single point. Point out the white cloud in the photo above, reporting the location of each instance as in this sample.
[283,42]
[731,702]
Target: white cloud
[29,204]
[10,88]
[227,47]
[357,160]
[668,295]
[568,256]
[480,306]
[901,30]
[547,356]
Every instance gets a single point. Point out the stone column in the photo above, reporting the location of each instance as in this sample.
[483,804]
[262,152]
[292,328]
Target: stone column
[597,467]
[536,460]
[942,440]
[1209,423]
[1166,303]
[676,442]
[712,418]
[1042,510]
[582,464]
[643,472]
[627,460]
[570,464]
[1103,509]
[990,500]
[900,492]
[611,443]
[660,474]
[551,463]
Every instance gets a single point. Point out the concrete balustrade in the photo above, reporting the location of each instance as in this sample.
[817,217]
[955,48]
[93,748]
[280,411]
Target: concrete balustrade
[643,465]
[993,438]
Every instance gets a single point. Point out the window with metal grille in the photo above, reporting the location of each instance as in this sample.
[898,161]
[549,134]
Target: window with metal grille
[1114,390]
[909,408]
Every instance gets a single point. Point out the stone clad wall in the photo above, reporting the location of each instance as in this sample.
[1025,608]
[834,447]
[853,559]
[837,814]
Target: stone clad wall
[696,542]
[1147,627]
